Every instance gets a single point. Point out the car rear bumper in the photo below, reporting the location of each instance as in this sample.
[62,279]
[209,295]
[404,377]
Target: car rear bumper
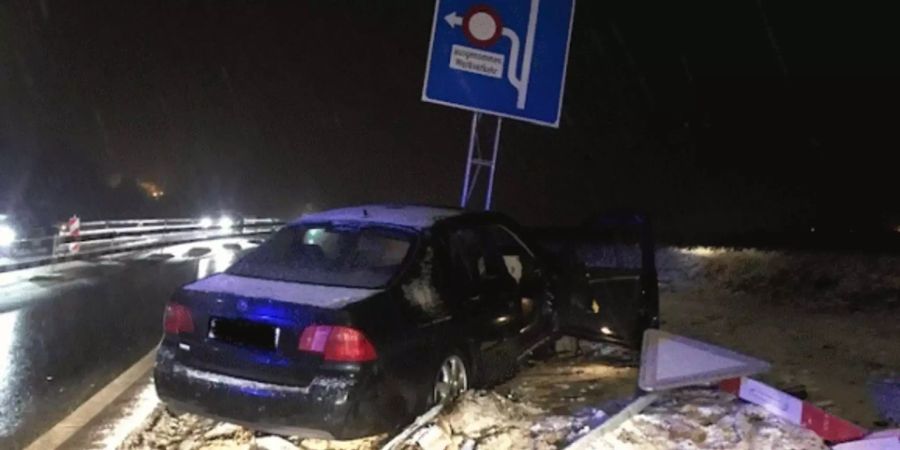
[328,408]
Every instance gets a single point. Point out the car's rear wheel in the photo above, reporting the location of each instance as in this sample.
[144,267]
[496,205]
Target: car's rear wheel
[451,380]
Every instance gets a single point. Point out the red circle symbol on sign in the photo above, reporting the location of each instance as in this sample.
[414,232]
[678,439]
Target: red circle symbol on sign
[482,26]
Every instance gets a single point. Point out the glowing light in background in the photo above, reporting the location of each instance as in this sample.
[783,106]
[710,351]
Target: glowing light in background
[206,222]
[226,223]
[702,251]
[151,189]
[7,235]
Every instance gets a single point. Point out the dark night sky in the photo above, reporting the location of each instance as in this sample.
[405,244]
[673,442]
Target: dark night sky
[690,110]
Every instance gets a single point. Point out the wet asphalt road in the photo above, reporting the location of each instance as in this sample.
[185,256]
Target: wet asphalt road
[63,339]
[124,243]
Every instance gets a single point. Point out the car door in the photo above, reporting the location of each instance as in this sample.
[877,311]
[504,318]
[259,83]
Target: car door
[610,293]
[532,288]
[486,305]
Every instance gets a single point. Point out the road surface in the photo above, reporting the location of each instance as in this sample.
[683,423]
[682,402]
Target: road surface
[64,334]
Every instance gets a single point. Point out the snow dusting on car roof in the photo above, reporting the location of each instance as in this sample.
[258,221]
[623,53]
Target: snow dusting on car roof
[418,217]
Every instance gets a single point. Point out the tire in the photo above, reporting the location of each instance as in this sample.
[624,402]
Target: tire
[451,379]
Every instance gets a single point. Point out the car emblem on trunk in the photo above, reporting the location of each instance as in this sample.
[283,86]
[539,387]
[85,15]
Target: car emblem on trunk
[242,305]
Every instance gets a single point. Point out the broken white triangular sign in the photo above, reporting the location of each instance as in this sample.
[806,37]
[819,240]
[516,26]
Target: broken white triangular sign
[669,361]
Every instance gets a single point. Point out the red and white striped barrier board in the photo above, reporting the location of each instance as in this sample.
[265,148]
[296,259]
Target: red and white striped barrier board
[829,427]
[73,226]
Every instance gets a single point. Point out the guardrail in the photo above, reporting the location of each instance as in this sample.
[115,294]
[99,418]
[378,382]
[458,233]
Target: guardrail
[161,225]
[98,238]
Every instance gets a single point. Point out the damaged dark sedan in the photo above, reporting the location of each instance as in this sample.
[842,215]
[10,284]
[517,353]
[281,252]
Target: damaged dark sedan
[352,322]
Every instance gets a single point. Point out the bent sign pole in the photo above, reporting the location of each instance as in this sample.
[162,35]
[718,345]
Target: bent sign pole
[504,58]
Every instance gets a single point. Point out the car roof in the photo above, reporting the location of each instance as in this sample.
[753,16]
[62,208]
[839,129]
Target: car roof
[409,216]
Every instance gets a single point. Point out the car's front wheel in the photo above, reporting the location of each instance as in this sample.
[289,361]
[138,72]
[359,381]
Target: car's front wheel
[451,380]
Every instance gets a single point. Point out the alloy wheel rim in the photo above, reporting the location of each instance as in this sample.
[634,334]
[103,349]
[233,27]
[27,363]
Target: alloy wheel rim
[451,381]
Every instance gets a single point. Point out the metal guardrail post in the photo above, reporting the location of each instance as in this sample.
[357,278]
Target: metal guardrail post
[53,250]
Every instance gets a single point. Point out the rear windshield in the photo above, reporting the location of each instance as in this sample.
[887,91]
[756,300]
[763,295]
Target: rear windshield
[335,255]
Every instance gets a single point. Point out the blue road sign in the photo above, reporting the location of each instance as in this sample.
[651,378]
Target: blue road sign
[501,57]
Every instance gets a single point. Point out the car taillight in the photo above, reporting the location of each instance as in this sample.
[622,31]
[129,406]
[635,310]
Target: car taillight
[314,338]
[178,319]
[337,343]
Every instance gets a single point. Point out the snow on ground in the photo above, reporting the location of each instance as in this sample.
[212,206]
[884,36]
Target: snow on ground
[489,421]
[699,419]
[580,378]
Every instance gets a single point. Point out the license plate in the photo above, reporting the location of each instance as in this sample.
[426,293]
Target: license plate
[245,333]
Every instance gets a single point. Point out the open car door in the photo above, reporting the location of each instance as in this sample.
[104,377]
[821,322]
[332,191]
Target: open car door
[610,286]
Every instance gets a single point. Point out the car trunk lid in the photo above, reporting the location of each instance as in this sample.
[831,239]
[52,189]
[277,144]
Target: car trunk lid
[251,328]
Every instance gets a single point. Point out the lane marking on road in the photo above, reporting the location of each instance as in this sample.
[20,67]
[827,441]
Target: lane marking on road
[75,421]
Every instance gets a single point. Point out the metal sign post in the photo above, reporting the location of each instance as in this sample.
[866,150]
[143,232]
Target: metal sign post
[476,162]
[504,58]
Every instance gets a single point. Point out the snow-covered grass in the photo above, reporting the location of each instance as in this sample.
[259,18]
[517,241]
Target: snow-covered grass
[811,280]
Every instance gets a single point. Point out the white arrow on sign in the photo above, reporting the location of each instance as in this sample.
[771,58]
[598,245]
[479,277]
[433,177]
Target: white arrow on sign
[454,20]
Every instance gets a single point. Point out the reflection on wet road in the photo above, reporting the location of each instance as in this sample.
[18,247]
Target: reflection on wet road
[65,334]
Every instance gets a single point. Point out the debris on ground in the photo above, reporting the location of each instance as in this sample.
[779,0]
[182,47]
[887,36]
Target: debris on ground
[164,430]
[698,419]
[575,383]
[485,420]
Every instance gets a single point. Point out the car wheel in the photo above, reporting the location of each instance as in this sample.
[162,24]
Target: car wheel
[451,380]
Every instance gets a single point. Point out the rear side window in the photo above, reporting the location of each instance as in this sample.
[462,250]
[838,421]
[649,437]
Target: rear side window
[346,255]
[422,290]
[517,258]
[474,258]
